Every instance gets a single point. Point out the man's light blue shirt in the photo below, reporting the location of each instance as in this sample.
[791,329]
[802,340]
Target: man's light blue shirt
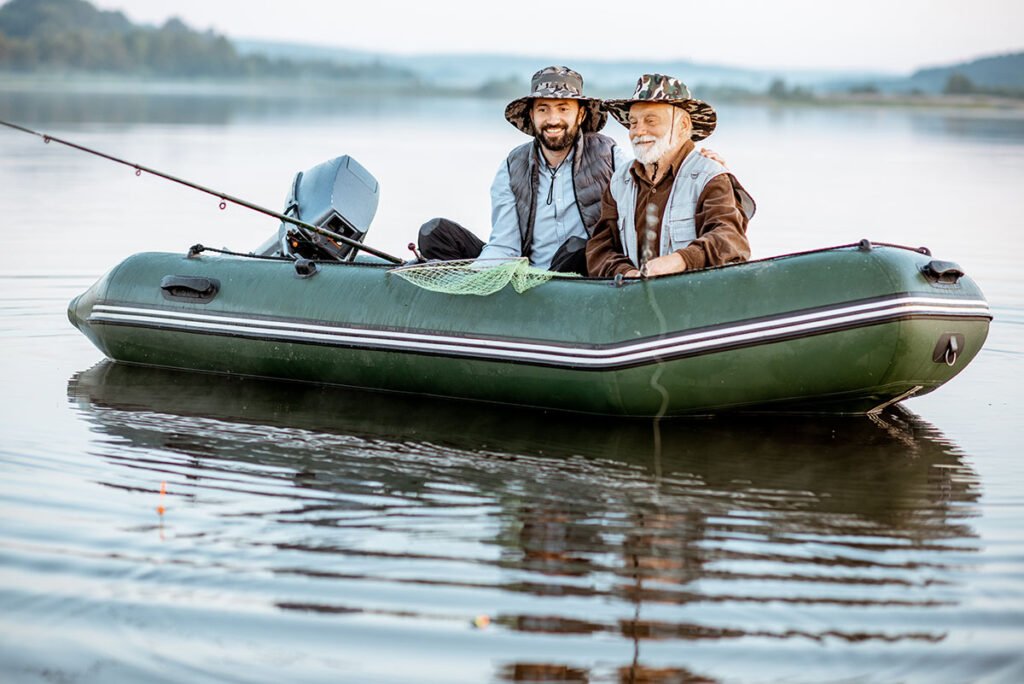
[554,223]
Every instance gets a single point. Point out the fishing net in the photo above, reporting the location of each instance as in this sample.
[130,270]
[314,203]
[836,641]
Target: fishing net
[476,276]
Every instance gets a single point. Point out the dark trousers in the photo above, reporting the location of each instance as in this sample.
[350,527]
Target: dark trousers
[446,240]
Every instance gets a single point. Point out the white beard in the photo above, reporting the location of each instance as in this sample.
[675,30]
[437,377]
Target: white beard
[648,154]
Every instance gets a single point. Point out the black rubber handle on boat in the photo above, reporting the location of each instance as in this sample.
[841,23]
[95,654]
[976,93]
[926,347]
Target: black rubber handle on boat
[189,287]
[943,271]
[224,197]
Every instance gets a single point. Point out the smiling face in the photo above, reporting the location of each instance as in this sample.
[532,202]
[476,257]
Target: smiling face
[657,130]
[556,122]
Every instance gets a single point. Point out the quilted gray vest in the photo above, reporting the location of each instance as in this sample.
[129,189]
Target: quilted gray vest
[593,164]
[678,225]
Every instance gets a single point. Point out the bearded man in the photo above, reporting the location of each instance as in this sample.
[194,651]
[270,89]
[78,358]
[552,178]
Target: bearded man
[546,196]
[672,209]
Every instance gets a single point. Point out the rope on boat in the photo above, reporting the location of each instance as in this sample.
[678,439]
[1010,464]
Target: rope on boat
[197,249]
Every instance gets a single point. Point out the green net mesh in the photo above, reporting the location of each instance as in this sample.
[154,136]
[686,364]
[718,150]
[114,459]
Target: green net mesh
[476,276]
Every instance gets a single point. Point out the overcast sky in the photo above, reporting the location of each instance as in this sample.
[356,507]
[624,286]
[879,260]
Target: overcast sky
[876,35]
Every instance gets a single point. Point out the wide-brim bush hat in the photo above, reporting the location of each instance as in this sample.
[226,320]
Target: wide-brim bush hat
[555,83]
[666,90]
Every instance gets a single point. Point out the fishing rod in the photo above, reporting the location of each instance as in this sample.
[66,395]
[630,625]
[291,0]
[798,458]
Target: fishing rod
[224,197]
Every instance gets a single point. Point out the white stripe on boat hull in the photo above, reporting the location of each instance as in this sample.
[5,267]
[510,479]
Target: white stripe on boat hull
[614,355]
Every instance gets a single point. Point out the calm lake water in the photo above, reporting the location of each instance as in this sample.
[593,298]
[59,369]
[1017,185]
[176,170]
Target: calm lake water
[323,534]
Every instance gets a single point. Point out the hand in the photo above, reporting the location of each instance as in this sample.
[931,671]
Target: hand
[663,265]
[631,273]
[713,156]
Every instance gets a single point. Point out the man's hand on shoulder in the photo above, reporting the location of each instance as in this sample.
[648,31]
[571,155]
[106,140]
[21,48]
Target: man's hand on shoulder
[713,156]
[663,265]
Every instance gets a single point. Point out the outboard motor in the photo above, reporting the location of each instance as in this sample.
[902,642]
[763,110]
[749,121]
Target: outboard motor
[340,196]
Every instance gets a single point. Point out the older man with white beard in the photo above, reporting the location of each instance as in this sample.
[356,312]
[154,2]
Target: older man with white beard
[672,209]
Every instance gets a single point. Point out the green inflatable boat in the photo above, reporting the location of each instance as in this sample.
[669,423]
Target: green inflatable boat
[849,329]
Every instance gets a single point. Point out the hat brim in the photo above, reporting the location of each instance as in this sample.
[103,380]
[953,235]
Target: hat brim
[517,113]
[702,115]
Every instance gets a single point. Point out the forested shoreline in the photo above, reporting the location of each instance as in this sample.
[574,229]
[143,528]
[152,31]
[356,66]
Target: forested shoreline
[73,35]
[48,39]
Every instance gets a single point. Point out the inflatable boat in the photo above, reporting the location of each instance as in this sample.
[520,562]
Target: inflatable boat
[849,329]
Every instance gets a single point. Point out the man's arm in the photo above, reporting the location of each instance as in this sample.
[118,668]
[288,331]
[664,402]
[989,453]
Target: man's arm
[505,240]
[721,227]
[605,257]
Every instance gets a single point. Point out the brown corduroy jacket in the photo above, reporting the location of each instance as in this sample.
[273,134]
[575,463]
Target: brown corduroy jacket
[720,223]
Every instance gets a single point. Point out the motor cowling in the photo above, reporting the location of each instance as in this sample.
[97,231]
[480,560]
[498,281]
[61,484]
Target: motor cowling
[339,195]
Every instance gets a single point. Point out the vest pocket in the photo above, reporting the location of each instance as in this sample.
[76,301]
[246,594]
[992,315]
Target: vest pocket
[627,238]
[682,232]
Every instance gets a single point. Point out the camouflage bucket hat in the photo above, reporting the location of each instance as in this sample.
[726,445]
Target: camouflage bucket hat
[556,83]
[667,90]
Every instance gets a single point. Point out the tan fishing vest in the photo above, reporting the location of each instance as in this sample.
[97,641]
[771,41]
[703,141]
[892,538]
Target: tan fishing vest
[678,224]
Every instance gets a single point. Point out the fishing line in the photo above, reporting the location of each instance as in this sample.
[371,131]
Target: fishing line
[224,197]
[651,220]
[656,384]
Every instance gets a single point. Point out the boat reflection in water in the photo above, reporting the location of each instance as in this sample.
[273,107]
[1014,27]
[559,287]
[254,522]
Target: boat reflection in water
[798,529]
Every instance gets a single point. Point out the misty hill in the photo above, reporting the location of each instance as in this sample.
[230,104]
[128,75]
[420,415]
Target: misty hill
[1001,72]
[494,73]
[73,35]
[479,70]
[26,19]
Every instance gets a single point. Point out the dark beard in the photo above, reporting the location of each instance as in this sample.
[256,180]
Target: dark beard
[562,142]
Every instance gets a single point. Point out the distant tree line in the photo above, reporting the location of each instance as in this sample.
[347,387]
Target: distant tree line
[960,84]
[73,35]
[779,90]
[1001,72]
